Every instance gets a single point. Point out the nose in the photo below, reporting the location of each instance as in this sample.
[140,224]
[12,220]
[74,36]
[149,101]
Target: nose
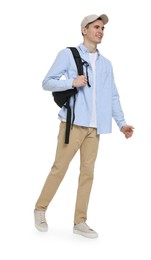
[101,30]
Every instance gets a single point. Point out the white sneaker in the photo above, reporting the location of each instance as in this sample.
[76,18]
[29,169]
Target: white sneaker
[84,230]
[40,220]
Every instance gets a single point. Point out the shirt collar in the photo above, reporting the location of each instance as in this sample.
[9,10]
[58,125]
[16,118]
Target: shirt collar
[84,49]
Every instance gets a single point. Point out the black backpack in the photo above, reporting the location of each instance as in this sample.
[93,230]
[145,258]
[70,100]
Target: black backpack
[62,98]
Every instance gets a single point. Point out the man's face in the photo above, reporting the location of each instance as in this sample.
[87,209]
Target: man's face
[95,31]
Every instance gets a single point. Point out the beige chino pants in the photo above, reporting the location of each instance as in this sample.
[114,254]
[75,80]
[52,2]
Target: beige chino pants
[87,140]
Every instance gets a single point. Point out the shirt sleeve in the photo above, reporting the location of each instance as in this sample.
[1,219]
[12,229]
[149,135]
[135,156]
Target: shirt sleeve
[117,112]
[54,80]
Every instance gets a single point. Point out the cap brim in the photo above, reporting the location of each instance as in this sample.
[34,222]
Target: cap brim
[104,18]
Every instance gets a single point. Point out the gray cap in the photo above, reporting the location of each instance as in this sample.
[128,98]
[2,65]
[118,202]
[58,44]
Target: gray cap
[93,17]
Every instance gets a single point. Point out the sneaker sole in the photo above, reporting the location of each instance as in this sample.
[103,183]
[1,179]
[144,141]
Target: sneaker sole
[88,235]
[41,229]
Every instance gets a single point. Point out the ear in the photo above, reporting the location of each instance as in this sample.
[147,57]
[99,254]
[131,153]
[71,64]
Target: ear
[84,31]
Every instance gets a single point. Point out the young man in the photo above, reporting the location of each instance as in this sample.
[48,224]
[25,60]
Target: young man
[97,102]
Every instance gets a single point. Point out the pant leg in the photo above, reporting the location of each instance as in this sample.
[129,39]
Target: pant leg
[64,154]
[88,154]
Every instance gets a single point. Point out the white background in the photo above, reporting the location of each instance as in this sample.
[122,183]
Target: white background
[31,34]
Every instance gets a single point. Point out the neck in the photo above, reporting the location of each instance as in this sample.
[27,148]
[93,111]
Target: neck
[90,46]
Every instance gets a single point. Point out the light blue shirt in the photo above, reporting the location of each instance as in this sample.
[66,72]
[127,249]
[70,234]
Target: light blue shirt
[107,98]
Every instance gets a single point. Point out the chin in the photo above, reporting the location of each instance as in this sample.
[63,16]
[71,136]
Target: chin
[99,41]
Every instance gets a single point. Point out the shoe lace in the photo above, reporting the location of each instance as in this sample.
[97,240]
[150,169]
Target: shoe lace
[42,217]
[85,226]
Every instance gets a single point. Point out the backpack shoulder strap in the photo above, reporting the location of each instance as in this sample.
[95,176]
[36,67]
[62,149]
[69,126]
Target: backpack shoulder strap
[78,60]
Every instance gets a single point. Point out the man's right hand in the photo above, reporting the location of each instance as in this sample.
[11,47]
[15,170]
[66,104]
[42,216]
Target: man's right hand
[79,81]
